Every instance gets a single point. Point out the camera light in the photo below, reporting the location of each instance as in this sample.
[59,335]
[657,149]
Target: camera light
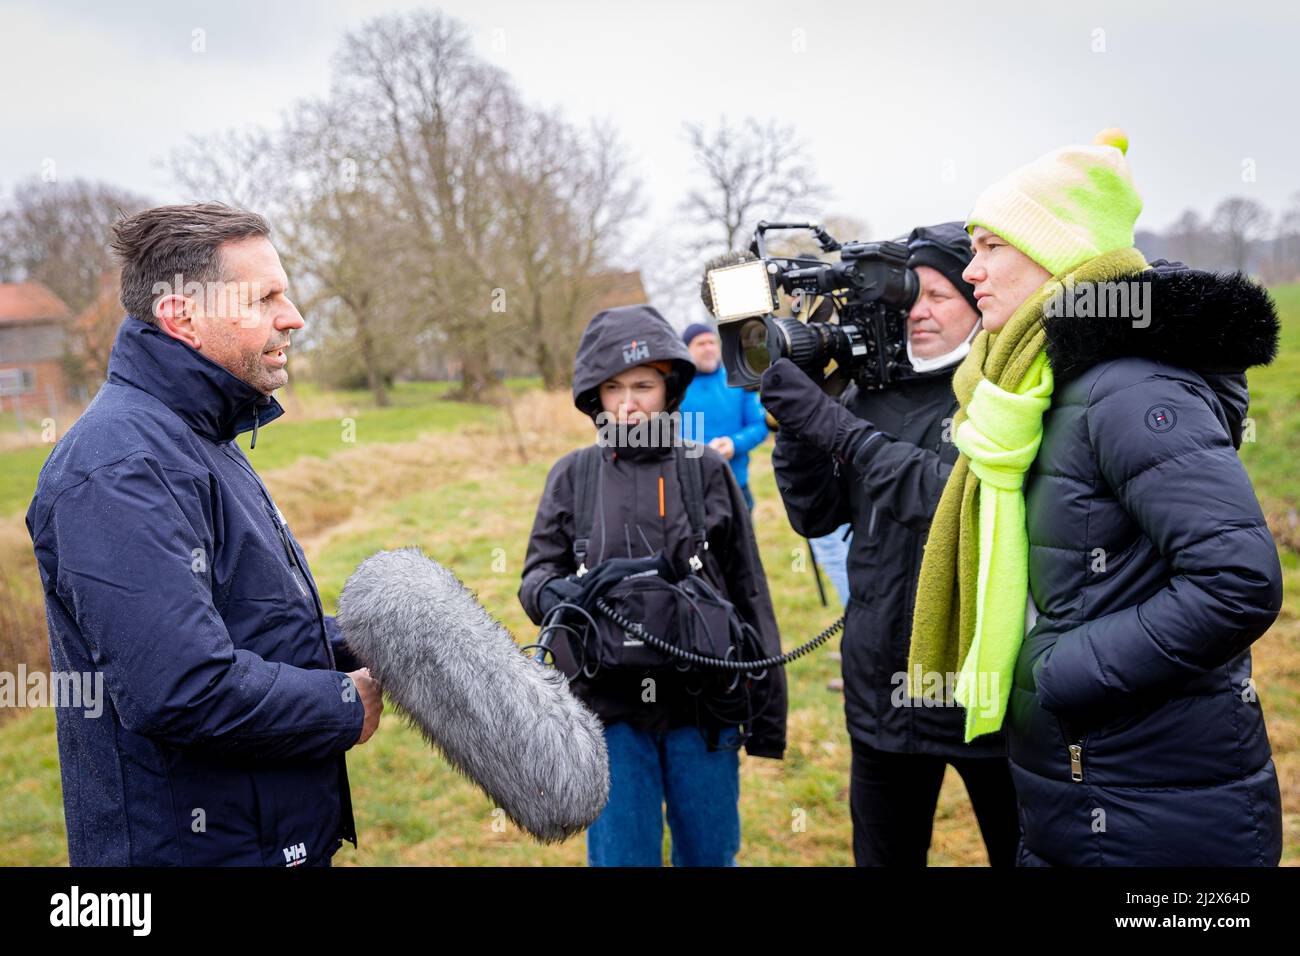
[741,291]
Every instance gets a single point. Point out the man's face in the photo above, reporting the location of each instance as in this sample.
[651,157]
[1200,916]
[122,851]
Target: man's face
[941,318]
[1003,277]
[245,327]
[705,352]
[633,396]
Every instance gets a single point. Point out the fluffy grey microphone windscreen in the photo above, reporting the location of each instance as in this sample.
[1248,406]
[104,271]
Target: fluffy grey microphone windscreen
[510,725]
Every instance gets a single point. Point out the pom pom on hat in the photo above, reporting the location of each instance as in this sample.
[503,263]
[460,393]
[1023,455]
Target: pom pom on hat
[1113,136]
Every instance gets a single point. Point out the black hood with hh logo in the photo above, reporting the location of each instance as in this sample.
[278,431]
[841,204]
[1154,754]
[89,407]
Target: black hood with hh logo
[618,339]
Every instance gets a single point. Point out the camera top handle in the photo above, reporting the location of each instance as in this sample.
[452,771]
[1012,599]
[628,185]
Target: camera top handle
[824,239]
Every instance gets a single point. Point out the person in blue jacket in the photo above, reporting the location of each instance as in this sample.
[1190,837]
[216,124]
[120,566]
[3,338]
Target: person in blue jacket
[729,420]
[168,569]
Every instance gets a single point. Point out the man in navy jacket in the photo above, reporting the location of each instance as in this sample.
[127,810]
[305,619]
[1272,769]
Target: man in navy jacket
[168,569]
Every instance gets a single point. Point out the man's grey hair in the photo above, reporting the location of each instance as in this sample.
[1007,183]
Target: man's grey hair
[159,244]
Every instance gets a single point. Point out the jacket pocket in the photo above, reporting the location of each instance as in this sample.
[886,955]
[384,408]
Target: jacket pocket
[865,660]
[218,813]
[299,811]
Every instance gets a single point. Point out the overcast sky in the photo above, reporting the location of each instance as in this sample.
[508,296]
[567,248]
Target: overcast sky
[909,108]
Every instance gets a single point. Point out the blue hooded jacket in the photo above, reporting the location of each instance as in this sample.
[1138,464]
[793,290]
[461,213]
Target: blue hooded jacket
[168,570]
[732,412]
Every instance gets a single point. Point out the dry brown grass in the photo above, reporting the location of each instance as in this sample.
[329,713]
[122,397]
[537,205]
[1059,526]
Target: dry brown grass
[23,636]
[327,500]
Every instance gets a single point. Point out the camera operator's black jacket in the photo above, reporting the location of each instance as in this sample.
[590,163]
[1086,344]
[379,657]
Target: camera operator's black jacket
[627,523]
[888,494]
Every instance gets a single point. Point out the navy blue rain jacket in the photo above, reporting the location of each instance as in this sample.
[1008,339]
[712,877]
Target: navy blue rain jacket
[168,569]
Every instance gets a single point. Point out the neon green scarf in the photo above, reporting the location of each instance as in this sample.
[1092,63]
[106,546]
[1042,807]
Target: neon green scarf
[973,588]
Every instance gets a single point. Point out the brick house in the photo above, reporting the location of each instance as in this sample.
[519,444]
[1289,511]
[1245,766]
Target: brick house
[33,340]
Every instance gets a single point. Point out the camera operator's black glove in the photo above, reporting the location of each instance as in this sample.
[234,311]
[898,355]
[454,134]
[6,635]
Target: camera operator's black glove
[596,582]
[810,414]
[584,591]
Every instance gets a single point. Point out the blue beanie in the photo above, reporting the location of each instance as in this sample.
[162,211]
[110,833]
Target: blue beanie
[694,329]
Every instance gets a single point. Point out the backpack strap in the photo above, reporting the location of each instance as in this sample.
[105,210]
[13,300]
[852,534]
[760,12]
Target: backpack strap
[690,471]
[586,479]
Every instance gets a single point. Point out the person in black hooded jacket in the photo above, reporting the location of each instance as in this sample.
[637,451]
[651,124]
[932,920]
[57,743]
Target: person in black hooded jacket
[673,736]
[900,749]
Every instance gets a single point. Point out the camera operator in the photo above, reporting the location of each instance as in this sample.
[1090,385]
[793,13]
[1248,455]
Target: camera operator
[879,460]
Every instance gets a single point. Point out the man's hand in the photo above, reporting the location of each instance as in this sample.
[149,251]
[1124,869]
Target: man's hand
[724,446]
[810,414]
[372,698]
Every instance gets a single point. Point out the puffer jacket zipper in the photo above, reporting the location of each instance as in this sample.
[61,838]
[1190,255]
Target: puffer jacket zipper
[1074,749]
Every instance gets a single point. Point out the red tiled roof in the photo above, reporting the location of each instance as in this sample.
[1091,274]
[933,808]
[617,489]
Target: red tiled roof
[30,301]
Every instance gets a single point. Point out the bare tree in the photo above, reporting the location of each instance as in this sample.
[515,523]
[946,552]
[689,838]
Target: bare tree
[58,233]
[752,171]
[1240,222]
[241,167]
[509,212]
[92,333]
[1286,243]
[1190,240]
[435,112]
[340,228]
[567,200]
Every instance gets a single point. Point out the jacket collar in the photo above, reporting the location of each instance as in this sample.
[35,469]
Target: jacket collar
[1209,323]
[209,399]
[650,441]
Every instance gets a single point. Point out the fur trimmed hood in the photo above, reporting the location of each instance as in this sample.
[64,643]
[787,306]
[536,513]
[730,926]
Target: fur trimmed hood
[1216,324]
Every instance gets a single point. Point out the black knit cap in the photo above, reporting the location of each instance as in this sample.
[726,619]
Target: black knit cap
[946,248]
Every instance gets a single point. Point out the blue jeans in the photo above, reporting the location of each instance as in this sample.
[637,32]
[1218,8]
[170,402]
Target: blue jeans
[702,791]
[832,553]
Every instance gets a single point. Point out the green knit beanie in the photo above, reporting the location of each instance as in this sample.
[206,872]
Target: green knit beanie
[1066,207]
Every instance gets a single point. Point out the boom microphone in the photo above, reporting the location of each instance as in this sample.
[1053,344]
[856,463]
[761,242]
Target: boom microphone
[509,725]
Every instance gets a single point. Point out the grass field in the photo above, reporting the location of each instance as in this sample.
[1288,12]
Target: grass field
[462,482]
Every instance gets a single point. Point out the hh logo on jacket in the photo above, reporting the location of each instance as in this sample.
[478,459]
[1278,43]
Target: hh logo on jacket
[295,855]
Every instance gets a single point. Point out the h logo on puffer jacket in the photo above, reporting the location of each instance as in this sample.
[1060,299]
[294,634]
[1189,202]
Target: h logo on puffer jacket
[635,352]
[295,855]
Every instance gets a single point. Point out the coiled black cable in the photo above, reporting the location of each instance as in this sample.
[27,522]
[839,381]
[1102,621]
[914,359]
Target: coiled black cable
[636,628]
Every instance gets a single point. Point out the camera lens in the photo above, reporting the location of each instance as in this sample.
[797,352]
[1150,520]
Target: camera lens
[753,346]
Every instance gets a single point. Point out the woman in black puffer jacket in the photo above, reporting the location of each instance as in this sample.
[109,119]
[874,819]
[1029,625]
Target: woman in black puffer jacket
[1134,729]
[1153,571]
